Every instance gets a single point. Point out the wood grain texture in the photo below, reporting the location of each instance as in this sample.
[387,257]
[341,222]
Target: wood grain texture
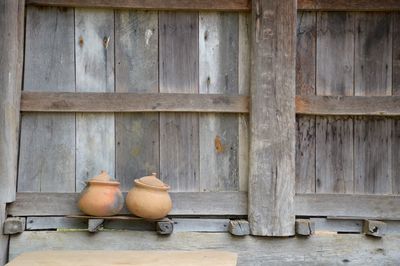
[218,73]
[373,76]
[395,136]
[317,250]
[346,5]
[220,5]
[272,118]
[185,203]
[3,238]
[11,60]
[305,85]
[95,133]
[348,105]
[133,102]
[244,67]
[136,56]
[334,135]
[47,145]
[178,73]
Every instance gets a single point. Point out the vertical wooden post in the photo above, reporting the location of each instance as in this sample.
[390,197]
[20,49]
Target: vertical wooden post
[272,118]
[11,57]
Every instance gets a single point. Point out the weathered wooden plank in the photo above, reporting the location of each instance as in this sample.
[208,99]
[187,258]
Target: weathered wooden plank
[3,238]
[372,77]
[47,149]
[348,105]
[178,72]
[218,73]
[11,59]
[185,203]
[244,54]
[395,136]
[305,85]
[346,5]
[132,102]
[338,225]
[51,223]
[220,5]
[272,118]
[334,135]
[317,250]
[136,70]
[95,133]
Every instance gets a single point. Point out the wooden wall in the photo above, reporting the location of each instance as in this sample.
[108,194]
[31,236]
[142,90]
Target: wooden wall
[102,50]
[352,54]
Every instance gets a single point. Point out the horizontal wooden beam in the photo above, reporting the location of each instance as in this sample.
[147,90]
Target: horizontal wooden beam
[215,5]
[184,203]
[223,5]
[132,102]
[348,105]
[224,203]
[348,5]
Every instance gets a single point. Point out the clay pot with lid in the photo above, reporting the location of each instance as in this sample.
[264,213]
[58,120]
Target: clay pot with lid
[101,197]
[149,198]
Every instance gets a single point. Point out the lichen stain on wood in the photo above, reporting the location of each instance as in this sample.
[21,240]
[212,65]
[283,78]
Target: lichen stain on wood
[218,144]
[135,151]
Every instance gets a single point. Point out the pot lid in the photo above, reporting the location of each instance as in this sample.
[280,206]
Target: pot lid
[103,177]
[152,181]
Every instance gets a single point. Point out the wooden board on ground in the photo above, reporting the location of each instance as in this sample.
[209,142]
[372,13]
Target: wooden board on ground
[144,258]
[372,77]
[136,70]
[47,147]
[95,133]
[305,85]
[316,250]
[178,73]
[334,135]
[218,74]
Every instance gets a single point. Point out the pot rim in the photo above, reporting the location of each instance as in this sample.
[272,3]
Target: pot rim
[99,182]
[165,188]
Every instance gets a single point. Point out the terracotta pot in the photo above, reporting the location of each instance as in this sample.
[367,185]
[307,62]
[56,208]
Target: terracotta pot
[149,198]
[101,197]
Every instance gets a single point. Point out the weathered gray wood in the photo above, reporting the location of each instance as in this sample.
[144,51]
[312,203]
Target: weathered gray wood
[374,228]
[373,76]
[305,85]
[239,227]
[164,227]
[136,70]
[337,225]
[178,72]
[51,223]
[305,227]
[244,55]
[395,137]
[133,102]
[317,250]
[95,225]
[14,225]
[222,5]
[272,118]
[47,147]
[187,203]
[334,135]
[345,5]
[95,133]
[11,61]
[200,225]
[3,238]
[218,73]
[349,105]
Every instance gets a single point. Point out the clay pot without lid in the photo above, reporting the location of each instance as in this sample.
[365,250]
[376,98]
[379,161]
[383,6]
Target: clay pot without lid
[101,197]
[149,198]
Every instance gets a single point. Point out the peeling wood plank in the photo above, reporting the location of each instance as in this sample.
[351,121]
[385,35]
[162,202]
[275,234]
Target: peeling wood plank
[11,61]
[272,118]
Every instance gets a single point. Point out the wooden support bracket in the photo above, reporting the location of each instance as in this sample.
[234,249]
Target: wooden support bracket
[239,227]
[165,227]
[95,225]
[374,228]
[14,225]
[305,227]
